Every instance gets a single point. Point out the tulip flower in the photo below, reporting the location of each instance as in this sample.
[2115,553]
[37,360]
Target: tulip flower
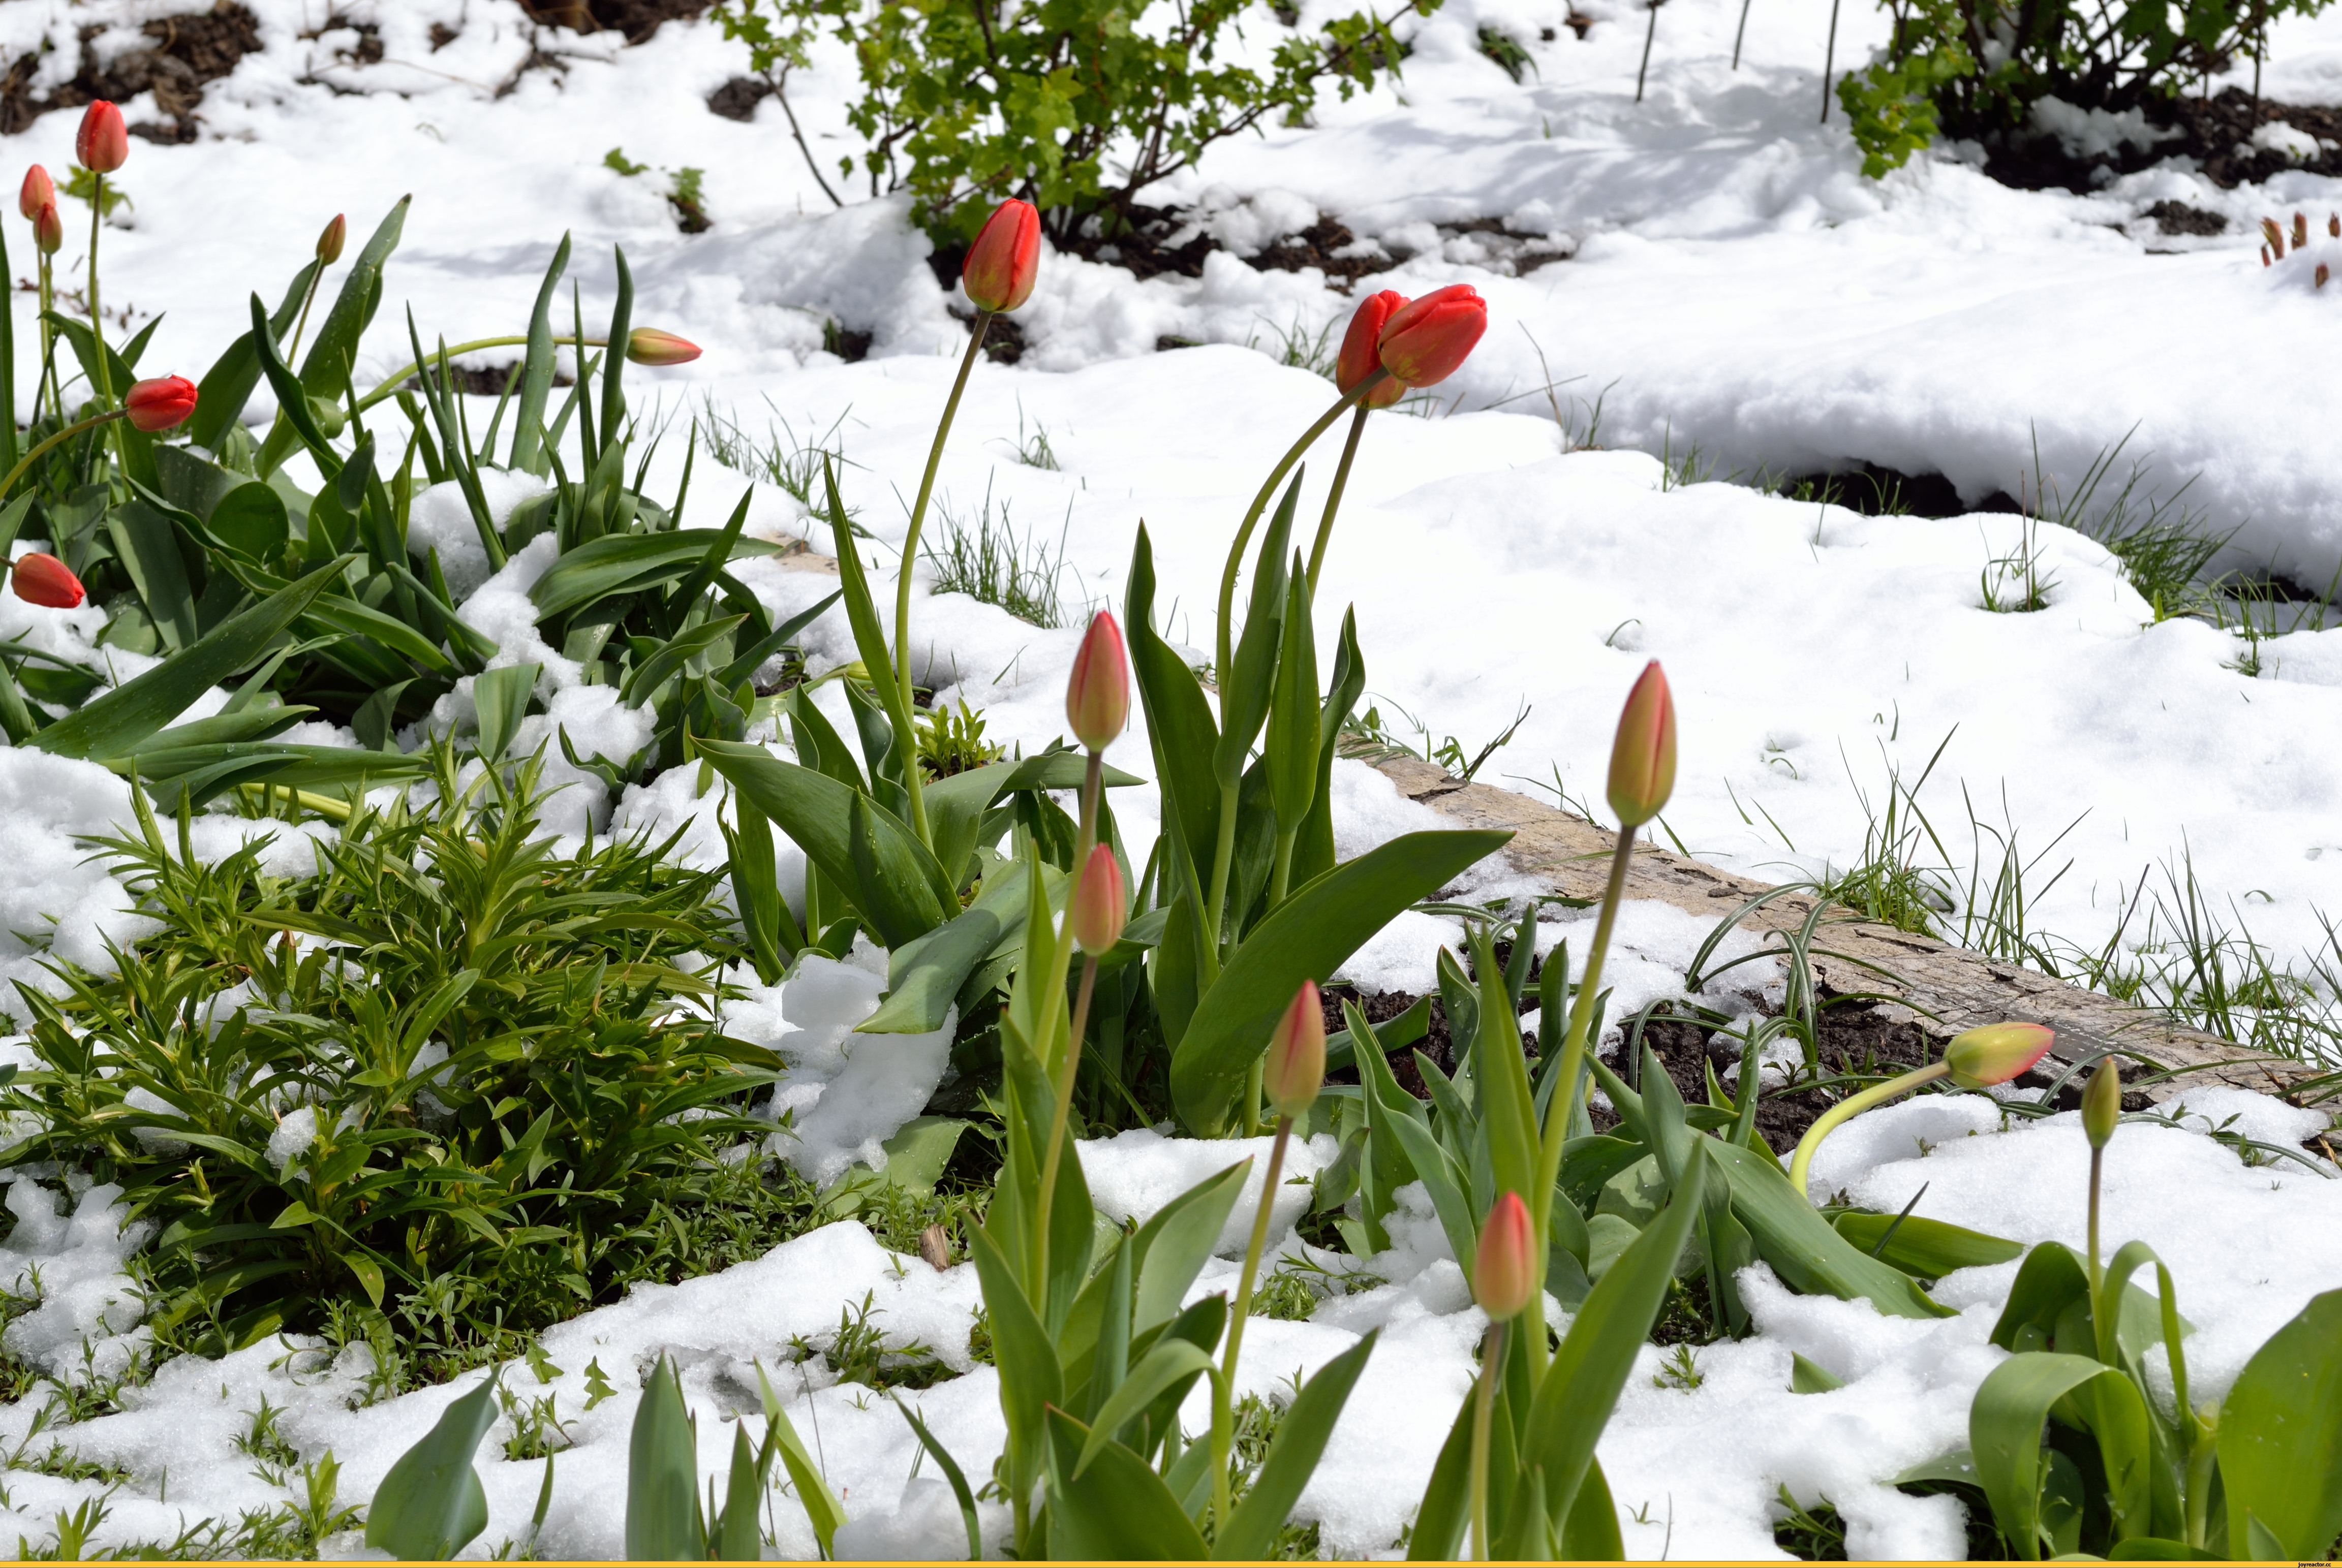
[1643,756]
[42,579]
[649,345]
[162,403]
[2102,1103]
[1100,905]
[48,229]
[37,192]
[1427,339]
[103,144]
[1296,1067]
[1006,258]
[1996,1053]
[1361,349]
[1097,698]
[1509,1266]
[329,242]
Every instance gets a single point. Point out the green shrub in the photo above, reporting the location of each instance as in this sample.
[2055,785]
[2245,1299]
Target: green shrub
[961,109]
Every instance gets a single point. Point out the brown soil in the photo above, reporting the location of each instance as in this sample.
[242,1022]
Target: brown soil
[637,19]
[1875,491]
[737,98]
[189,50]
[2217,133]
[486,380]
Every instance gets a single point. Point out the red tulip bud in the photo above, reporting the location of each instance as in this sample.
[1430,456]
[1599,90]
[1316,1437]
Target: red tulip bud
[103,144]
[1509,1267]
[1098,699]
[329,244]
[1361,357]
[2274,235]
[48,229]
[160,403]
[38,191]
[649,345]
[44,580]
[1100,905]
[2322,274]
[2300,230]
[1996,1052]
[1006,258]
[1427,339]
[1296,1067]
[1643,757]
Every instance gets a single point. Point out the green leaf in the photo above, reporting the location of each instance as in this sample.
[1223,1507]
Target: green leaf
[326,371]
[1446,1511]
[1116,1511]
[1811,1377]
[628,563]
[502,698]
[952,1473]
[2280,1435]
[227,385]
[536,372]
[251,518]
[1246,691]
[927,973]
[1927,1248]
[1293,716]
[1811,1258]
[2005,1423]
[1179,721]
[432,1505]
[664,1521]
[823,1510]
[148,547]
[1031,1379]
[1307,937]
[115,723]
[739,1538]
[1168,1364]
[1293,1454]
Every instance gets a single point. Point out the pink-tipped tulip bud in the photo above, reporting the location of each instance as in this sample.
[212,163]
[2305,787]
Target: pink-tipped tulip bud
[649,345]
[1509,1267]
[1643,756]
[1361,353]
[1296,1067]
[37,192]
[1004,259]
[1100,905]
[2273,235]
[2102,1103]
[2322,275]
[1996,1052]
[41,579]
[162,403]
[1427,339]
[103,144]
[2300,230]
[330,243]
[2334,224]
[48,229]
[1098,699]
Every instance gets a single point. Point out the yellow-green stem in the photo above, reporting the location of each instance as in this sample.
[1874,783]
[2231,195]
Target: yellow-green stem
[48,381]
[1052,996]
[97,316]
[1223,854]
[1280,871]
[1333,497]
[1483,1413]
[389,385]
[1253,1076]
[911,559]
[1854,1106]
[1223,1422]
[61,436]
[307,299]
[2100,1308]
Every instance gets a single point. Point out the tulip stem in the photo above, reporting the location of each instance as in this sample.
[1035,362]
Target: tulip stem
[1053,995]
[97,317]
[307,299]
[1483,1413]
[1854,1106]
[910,560]
[2101,1308]
[389,385]
[67,433]
[48,381]
[1333,497]
[1223,1421]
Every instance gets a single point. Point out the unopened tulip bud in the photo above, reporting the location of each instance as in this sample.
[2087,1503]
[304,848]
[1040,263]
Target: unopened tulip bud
[329,244]
[42,579]
[1996,1052]
[1427,339]
[2273,235]
[1097,698]
[2334,224]
[36,193]
[1099,906]
[103,144]
[2321,275]
[1509,1265]
[1296,1067]
[1643,756]
[1361,353]
[1004,259]
[2300,231]
[2102,1103]
[2265,256]
[48,229]
[649,345]
[161,404]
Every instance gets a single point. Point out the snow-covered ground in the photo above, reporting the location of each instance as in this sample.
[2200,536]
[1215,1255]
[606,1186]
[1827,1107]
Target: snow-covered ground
[1733,283]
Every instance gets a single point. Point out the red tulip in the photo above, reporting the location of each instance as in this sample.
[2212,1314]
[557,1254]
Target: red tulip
[103,144]
[1996,1052]
[1360,357]
[41,579]
[1006,258]
[1296,1067]
[1427,339]
[649,345]
[329,244]
[1643,756]
[1510,1265]
[38,191]
[1097,698]
[160,403]
[48,229]
[1100,906]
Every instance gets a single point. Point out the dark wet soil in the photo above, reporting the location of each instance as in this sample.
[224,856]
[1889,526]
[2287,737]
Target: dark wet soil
[2217,133]
[185,53]
[637,19]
